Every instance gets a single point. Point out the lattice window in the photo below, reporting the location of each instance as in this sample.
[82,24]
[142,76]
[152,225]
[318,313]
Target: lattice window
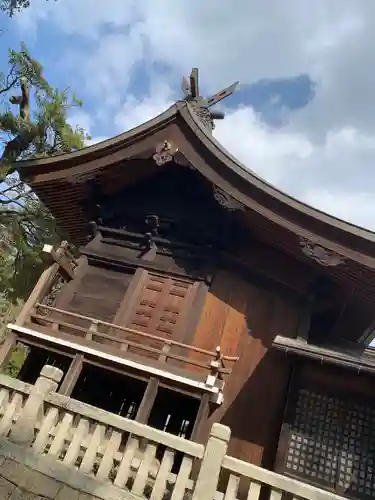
[332,443]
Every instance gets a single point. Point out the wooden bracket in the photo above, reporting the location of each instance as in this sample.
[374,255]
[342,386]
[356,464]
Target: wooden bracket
[62,256]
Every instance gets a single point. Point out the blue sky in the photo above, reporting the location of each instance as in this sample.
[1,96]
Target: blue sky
[303,117]
[270,98]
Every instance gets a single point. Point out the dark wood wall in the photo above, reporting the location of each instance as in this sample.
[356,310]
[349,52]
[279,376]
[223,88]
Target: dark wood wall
[203,280]
[244,319]
[153,302]
[233,312]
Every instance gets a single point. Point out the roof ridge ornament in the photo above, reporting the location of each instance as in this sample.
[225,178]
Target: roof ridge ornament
[202,105]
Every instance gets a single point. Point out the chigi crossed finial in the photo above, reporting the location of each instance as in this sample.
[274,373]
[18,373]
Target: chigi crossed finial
[202,105]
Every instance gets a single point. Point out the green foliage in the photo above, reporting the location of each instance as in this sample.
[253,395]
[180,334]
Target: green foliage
[24,228]
[38,129]
[44,130]
[16,361]
[32,125]
[8,314]
[11,7]
[56,135]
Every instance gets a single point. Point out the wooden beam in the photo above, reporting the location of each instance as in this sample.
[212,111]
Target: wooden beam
[120,261]
[44,283]
[346,355]
[201,418]
[148,401]
[194,85]
[130,298]
[88,348]
[72,375]
[304,320]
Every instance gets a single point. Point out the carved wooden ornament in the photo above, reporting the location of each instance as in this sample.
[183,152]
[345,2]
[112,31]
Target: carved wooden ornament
[320,254]
[164,153]
[226,200]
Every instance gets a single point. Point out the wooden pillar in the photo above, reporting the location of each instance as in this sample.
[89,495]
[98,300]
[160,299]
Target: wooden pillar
[148,400]
[72,375]
[304,322]
[201,418]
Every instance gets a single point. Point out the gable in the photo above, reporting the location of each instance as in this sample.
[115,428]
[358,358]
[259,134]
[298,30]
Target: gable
[182,203]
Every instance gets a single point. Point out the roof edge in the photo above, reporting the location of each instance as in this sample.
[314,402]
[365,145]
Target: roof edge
[251,177]
[101,148]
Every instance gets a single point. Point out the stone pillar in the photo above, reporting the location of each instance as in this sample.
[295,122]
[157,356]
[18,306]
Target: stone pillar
[216,449]
[23,430]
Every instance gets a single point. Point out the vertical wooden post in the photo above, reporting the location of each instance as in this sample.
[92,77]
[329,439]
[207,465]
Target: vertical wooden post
[148,400]
[72,375]
[165,350]
[92,330]
[201,417]
[131,296]
[216,449]
[304,321]
[44,283]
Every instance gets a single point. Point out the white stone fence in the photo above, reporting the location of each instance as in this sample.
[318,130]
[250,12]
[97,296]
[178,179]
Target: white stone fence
[115,458]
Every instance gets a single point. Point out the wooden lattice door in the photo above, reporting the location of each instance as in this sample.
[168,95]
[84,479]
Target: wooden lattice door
[160,307]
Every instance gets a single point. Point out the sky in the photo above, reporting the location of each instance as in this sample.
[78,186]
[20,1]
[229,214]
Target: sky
[303,118]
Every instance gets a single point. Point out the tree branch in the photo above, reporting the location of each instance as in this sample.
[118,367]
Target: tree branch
[15,147]
[11,188]
[10,85]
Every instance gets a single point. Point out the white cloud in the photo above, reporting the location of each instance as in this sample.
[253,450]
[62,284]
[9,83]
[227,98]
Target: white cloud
[80,118]
[325,154]
[109,65]
[82,17]
[246,137]
[135,112]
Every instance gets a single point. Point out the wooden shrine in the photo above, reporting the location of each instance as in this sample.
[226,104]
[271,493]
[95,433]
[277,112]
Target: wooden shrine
[203,294]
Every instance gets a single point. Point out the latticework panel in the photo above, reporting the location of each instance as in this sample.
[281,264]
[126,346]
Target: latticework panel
[332,443]
[51,298]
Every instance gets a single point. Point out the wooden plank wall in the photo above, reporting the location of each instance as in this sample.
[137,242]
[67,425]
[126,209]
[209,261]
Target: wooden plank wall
[255,392]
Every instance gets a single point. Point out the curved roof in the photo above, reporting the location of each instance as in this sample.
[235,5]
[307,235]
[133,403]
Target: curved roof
[182,126]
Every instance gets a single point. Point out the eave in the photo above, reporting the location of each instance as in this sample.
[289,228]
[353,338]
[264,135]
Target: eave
[225,171]
[349,356]
[277,218]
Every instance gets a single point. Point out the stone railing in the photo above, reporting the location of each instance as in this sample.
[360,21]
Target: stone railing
[106,456]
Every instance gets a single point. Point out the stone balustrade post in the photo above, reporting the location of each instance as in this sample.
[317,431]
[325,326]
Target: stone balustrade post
[208,476]
[47,382]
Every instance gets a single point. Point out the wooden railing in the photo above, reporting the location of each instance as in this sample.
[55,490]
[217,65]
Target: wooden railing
[70,440]
[213,364]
